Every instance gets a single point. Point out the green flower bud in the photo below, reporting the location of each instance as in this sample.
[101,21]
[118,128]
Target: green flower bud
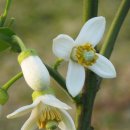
[3,96]
[52,125]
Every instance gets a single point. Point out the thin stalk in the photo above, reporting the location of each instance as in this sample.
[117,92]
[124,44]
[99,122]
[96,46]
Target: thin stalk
[56,75]
[90,9]
[85,104]
[7,85]
[114,29]
[6,10]
[17,40]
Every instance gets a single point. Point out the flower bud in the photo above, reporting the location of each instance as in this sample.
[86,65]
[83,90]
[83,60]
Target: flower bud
[3,96]
[34,71]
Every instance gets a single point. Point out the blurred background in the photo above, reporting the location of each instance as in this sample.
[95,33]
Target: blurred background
[37,22]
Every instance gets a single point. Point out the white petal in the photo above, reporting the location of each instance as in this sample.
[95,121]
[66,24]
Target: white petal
[92,31]
[67,123]
[30,124]
[103,67]
[35,73]
[62,46]
[50,100]
[75,78]
[23,110]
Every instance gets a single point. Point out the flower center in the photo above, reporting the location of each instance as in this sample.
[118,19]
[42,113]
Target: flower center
[49,119]
[84,54]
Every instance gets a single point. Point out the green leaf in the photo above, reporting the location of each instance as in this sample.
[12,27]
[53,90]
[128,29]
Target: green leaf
[6,40]
[3,45]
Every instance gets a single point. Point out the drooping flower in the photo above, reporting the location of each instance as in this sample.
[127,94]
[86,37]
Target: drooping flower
[34,71]
[81,53]
[47,112]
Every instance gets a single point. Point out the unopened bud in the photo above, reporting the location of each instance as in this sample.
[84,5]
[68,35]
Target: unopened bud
[3,96]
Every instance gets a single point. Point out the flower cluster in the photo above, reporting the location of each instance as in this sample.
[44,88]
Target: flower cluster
[47,111]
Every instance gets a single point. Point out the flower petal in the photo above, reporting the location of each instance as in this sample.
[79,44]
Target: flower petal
[92,31]
[35,73]
[103,67]
[75,78]
[51,100]
[30,124]
[23,110]
[62,46]
[67,123]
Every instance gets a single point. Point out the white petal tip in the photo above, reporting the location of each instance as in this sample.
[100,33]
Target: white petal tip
[73,94]
[112,75]
[103,67]
[10,116]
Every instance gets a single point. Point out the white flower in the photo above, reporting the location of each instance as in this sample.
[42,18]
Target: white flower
[81,53]
[34,71]
[47,110]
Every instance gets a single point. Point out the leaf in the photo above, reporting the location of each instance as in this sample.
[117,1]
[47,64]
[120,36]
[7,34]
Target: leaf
[6,41]
[3,45]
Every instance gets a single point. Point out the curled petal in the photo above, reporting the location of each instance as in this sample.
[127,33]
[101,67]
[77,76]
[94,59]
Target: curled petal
[103,67]
[75,78]
[62,46]
[53,101]
[23,110]
[92,31]
[30,124]
[35,73]
[67,123]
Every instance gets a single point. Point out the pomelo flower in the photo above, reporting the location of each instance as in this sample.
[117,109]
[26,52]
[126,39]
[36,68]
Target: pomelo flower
[81,53]
[48,113]
[34,71]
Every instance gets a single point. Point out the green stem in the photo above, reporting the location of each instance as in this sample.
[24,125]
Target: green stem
[90,9]
[11,81]
[59,79]
[85,104]
[6,10]
[114,29]
[85,107]
[17,40]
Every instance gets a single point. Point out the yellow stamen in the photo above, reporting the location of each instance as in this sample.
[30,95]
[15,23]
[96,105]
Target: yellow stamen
[48,114]
[84,54]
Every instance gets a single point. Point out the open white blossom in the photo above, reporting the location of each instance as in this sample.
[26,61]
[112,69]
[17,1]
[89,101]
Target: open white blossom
[47,111]
[34,71]
[81,53]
